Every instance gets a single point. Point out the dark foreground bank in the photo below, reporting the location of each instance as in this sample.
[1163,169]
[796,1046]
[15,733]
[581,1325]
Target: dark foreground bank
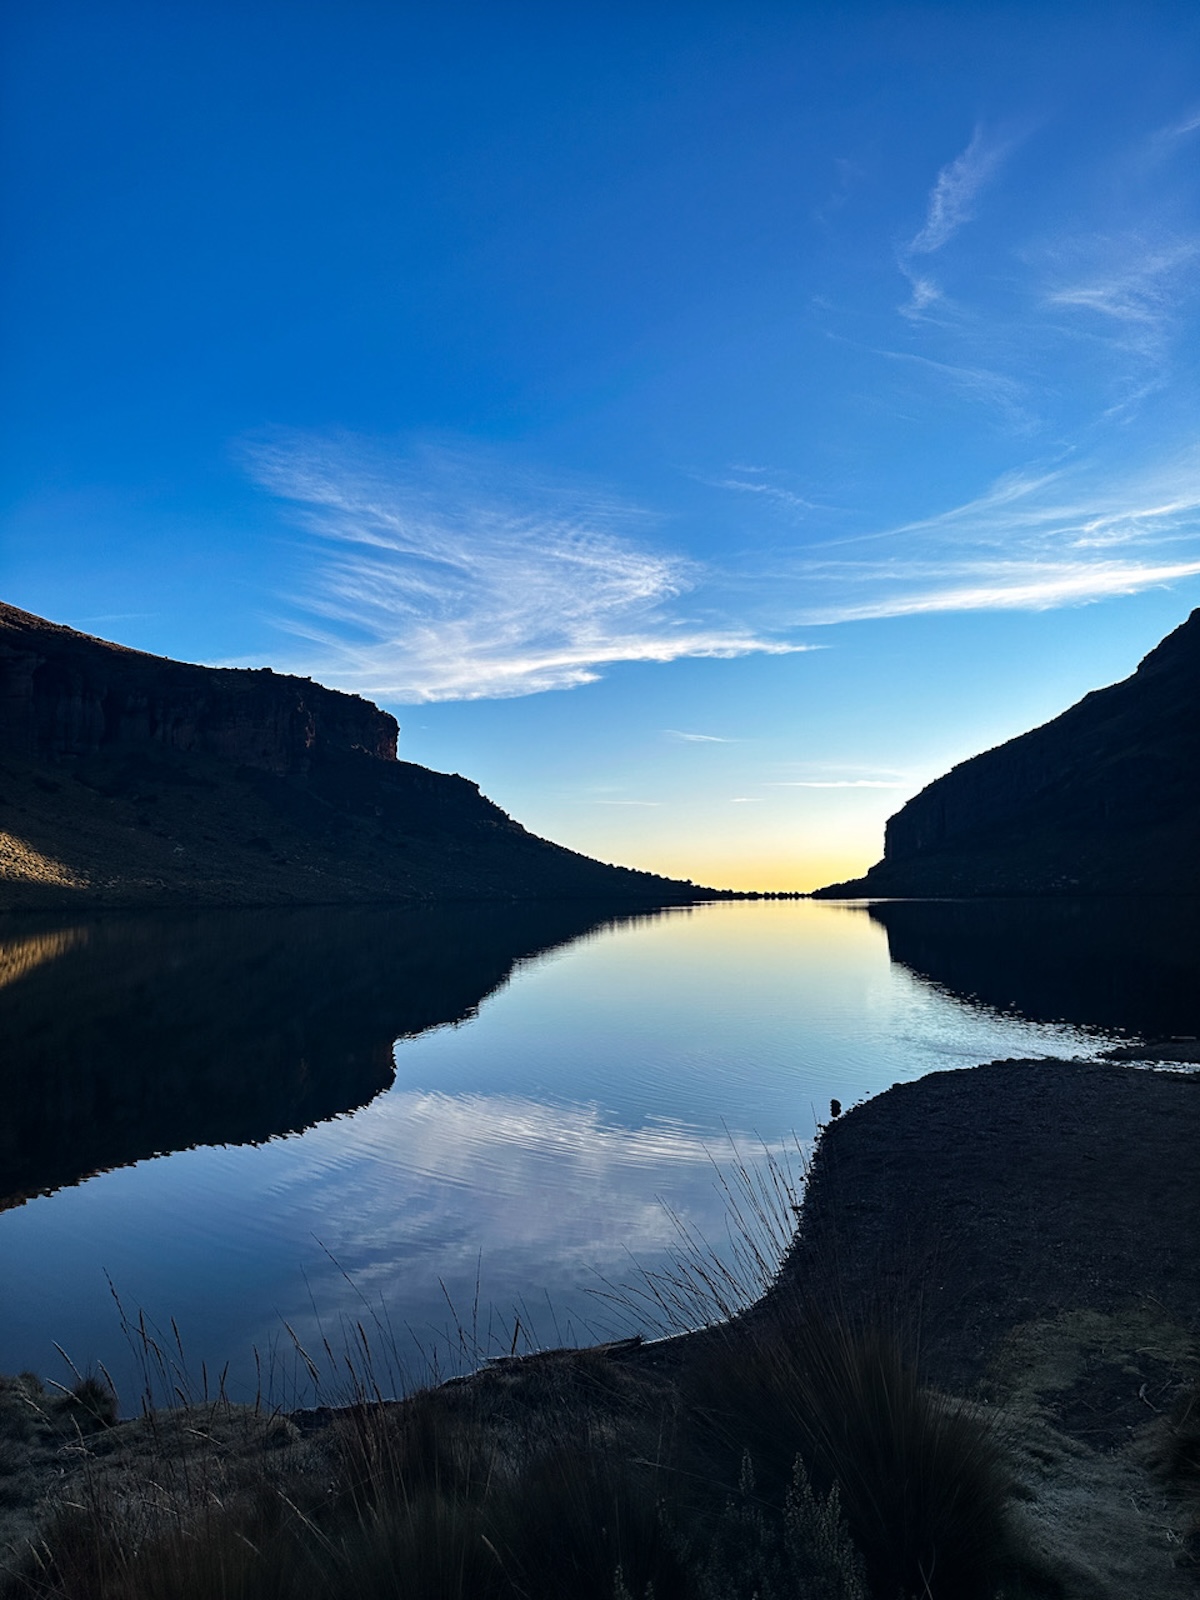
[1020,1235]
[1014,1190]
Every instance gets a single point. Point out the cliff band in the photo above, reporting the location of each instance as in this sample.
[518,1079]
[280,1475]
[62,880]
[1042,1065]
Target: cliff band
[1106,797]
[131,779]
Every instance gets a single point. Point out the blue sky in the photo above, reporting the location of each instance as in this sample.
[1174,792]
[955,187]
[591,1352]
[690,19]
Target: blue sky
[701,425]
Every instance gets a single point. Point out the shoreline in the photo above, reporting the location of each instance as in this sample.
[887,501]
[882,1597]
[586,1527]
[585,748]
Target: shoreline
[1034,1224]
[1015,1188]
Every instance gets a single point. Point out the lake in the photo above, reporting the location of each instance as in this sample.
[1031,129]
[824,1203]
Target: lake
[461,1126]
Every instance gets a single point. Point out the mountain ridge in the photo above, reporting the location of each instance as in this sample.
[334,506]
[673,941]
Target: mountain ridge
[128,779]
[1104,797]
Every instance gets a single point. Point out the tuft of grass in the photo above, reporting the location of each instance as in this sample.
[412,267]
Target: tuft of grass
[91,1402]
[221,1554]
[1178,1452]
[792,1447]
[432,1547]
[702,1285]
[1174,1454]
[582,1514]
[789,1453]
[922,1479]
[761,1553]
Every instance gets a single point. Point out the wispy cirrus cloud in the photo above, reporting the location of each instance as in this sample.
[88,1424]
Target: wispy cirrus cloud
[1062,533]
[437,576]
[977,383]
[1076,507]
[950,206]
[1137,286]
[1096,298]
[958,186]
[760,481]
[1016,586]
[441,575]
[1034,540]
[1163,139]
[926,293]
[697,738]
[651,804]
[1128,293]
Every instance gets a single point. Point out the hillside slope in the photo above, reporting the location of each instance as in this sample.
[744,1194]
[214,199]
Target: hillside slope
[1106,797]
[129,779]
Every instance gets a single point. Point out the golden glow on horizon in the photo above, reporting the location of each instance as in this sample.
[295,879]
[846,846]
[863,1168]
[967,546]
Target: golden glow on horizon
[787,839]
[757,869]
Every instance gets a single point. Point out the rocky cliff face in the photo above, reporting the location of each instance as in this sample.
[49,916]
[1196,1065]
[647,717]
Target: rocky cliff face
[65,694]
[129,779]
[1106,796]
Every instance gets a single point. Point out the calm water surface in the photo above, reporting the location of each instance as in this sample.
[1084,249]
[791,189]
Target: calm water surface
[499,1106]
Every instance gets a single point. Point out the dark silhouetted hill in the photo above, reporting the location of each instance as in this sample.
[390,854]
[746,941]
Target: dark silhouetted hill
[1105,798]
[129,779]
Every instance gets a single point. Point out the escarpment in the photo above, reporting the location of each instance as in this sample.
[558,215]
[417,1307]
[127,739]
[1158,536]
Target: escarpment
[134,780]
[1106,797]
[63,694]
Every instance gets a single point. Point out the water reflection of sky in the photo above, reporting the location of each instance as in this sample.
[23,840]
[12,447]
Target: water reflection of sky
[536,1148]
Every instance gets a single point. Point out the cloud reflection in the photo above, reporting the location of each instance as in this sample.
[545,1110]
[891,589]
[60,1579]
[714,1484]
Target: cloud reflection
[541,1193]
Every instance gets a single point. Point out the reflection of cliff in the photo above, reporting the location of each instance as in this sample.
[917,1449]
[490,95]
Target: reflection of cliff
[129,779]
[138,1035]
[1106,797]
[1123,964]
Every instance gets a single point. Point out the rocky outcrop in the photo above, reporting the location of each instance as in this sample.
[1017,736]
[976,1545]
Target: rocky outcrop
[1104,797]
[65,694]
[132,780]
